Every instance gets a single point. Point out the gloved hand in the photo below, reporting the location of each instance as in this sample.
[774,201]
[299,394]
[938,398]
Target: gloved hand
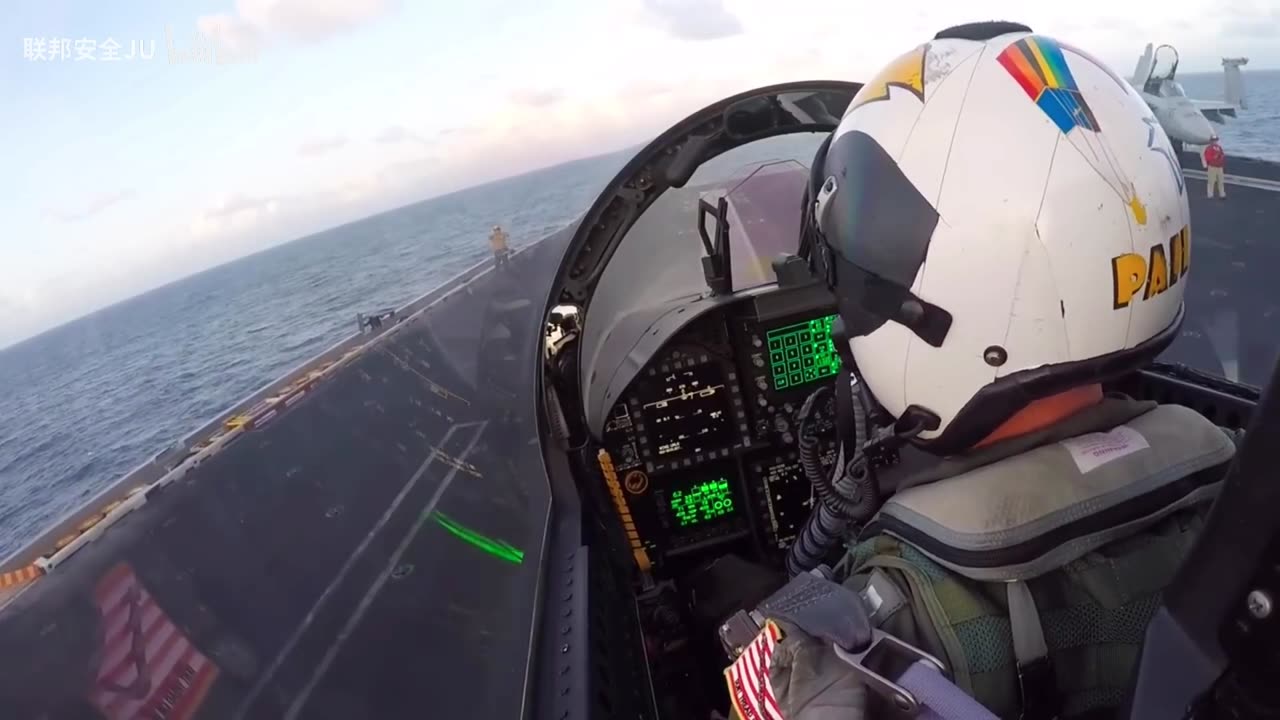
[806,681]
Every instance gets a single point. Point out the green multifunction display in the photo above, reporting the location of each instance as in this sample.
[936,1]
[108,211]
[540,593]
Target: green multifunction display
[701,502]
[802,353]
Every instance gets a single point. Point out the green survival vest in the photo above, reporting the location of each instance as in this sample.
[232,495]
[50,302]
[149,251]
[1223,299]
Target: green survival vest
[1054,557]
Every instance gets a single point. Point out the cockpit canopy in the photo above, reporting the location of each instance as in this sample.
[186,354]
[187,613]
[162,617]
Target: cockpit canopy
[694,222]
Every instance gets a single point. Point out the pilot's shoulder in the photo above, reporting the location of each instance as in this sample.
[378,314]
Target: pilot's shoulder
[1191,419]
[1235,434]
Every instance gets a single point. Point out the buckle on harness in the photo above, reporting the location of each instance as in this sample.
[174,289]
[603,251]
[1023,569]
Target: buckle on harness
[737,632]
[884,657]
[1038,687]
[838,615]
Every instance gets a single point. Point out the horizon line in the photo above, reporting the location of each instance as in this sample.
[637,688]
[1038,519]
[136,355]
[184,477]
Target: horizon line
[276,246]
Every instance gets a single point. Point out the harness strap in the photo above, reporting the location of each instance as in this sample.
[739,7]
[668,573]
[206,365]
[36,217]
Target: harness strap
[836,614]
[939,698]
[823,609]
[1036,680]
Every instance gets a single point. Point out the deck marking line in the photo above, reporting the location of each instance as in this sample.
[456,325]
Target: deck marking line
[261,684]
[1242,180]
[329,656]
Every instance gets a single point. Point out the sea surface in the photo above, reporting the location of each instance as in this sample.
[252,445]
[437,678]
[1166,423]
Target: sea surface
[89,401]
[85,403]
[1256,132]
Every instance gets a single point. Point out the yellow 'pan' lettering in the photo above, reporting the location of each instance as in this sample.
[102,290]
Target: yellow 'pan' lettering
[1132,272]
[1183,239]
[1157,273]
[1128,273]
[1176,251]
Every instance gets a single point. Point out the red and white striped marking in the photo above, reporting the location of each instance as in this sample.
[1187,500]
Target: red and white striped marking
[748,677]
[21,576]
[149,669]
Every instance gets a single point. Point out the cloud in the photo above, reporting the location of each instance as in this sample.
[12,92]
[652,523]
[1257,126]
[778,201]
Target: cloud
[311,19]
[95,205]
[254,21]
[395,134]
[229,34]
[239,203]
[234,212]
[1250,20]
[694,19]
[320,146]
[645,88]
[537,98]
[403,171]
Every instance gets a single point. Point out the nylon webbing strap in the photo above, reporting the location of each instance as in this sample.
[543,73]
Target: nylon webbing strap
[1024,622]
[822,609]
[1036,681]
[830,611]
[939,698]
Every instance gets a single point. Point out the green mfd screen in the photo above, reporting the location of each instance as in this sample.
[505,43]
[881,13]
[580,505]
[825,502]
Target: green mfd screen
[802,353]
[701,502]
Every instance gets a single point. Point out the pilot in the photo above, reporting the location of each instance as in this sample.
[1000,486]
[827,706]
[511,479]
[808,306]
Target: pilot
[985,297]
[1214,161]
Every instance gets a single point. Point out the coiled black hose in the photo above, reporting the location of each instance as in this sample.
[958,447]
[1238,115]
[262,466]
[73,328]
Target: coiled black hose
[852,497]
[820,535]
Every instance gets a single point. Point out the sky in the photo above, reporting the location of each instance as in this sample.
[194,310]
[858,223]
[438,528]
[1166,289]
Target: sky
[144,141]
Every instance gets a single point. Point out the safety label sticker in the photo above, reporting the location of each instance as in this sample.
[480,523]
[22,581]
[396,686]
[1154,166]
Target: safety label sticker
[748,677]
[1093,450]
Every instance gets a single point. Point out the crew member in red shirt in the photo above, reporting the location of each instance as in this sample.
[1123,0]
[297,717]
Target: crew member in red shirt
[1214,160]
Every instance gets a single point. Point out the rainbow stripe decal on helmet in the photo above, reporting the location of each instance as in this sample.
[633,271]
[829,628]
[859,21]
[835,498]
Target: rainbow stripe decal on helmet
[1038,65]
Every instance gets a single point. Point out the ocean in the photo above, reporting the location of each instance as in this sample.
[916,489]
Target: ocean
[85,403]
[1256,133]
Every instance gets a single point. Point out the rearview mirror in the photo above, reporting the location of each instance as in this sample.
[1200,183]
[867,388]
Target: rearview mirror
[762,115]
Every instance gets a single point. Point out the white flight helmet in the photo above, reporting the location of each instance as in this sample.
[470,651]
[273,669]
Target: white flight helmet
[1001,218]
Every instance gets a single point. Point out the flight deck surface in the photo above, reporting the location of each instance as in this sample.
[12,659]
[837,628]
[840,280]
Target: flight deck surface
[1233,303]
[371,552]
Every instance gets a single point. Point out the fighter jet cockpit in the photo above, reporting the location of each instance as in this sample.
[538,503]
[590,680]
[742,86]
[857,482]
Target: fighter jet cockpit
[687,395]
[1162,69]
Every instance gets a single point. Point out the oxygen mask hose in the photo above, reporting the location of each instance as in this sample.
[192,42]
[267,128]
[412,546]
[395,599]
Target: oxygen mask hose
[852,497]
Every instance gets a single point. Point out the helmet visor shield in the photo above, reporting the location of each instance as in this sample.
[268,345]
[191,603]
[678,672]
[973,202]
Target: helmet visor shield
[877,228]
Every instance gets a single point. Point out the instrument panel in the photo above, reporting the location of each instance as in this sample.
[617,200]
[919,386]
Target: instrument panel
[704,439]
[686,409]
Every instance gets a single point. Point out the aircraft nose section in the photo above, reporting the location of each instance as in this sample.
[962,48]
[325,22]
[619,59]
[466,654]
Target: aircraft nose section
[1191,126]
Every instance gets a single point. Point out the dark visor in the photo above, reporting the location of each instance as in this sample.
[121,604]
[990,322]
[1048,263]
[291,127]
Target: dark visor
[875,234]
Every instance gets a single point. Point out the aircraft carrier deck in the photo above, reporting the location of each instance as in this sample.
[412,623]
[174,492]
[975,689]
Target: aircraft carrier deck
[1233,304]
[365,537]
[366,547]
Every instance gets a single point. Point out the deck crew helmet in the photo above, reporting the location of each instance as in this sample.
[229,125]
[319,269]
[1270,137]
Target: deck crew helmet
[1001,218]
